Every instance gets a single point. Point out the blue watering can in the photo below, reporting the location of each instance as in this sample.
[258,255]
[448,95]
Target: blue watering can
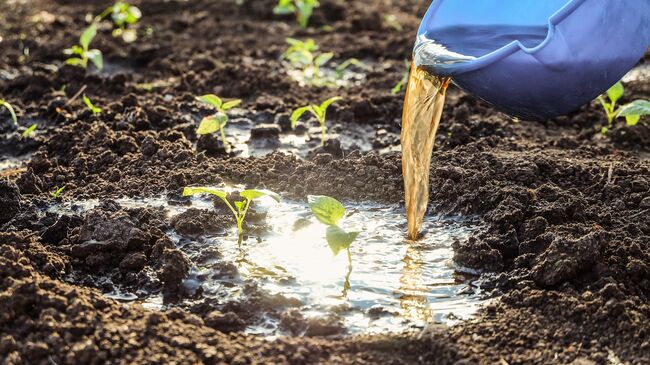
[535,59]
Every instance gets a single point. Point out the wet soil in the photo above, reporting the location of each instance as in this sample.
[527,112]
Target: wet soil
[565,252]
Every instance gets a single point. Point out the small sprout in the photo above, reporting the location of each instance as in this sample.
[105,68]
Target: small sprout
[29,131]
[391,21]
[57,192]
[240,207]
[91,106]
[123,14]
[349,62]
[318,111]
[329,211]
[83,53]
[403,81]
[303,56]
[632,111]
[217,121]
[302,8]
[11,110]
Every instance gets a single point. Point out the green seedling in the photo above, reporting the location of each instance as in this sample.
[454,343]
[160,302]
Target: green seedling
[329,211]
[11,110]
[29,131]
[304,56]
[632,111]
[82,52]
[217,121]
[240,208]
[95,110]
[302,8]
[123,15]
[403,81]
[57,192]
[318,111]
[391,21]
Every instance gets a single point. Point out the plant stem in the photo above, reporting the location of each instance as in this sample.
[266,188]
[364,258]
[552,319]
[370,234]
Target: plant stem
[223,139]
[323,131]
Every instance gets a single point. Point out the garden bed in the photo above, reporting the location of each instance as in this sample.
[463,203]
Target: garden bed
[544,225]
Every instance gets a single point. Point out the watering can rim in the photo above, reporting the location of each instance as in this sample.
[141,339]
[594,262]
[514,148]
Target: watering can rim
[512,47]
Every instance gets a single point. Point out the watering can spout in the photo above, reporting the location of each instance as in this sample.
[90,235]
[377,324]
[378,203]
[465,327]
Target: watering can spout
[533,59]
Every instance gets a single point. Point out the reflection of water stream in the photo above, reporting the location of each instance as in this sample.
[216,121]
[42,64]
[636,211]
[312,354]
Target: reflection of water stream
[415,306]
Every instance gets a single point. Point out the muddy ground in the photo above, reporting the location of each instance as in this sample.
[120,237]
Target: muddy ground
[565,252]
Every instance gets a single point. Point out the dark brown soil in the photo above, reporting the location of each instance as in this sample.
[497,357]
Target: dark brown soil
[566,251]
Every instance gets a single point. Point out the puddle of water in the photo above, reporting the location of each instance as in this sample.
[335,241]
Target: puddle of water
[328,77]
[394,284]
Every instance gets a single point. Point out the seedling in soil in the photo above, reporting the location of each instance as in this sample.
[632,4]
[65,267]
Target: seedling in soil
[11,110]
[304,57]
[91,106]
[318,111]
[217,121]
[57,192]
[240,208]
[403,81]
[302,8]
[29,131]
[123,15]
[82,52]
[329,211]
[632,111]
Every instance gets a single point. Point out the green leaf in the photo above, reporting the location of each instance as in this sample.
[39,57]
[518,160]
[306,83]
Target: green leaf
[323,58]
[240,205]
[57,192]
[326,209]
[632,120]
[338,239]
[29,130]
[284,7]
[75,62]
[322,112]
[637,107]
[252,194]
[90,105]
[12,112]
[211,99]
[397,88]
[195,190]
[230,104]
[95,56]
[212,123]
[615,92]
[298,113]
[88,35]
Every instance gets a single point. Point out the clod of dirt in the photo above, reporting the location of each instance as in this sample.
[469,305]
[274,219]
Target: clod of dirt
[175,269]
[9,201]
[225,322]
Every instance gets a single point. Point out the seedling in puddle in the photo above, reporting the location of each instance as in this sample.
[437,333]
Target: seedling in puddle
[302,8]
[632,111]
[123,15]
[95,110]
[29,131]
[240,208]
[329,211]
[318,111]
[303,56]
[82,53]
[11,110]
[57,192]
[217,121]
